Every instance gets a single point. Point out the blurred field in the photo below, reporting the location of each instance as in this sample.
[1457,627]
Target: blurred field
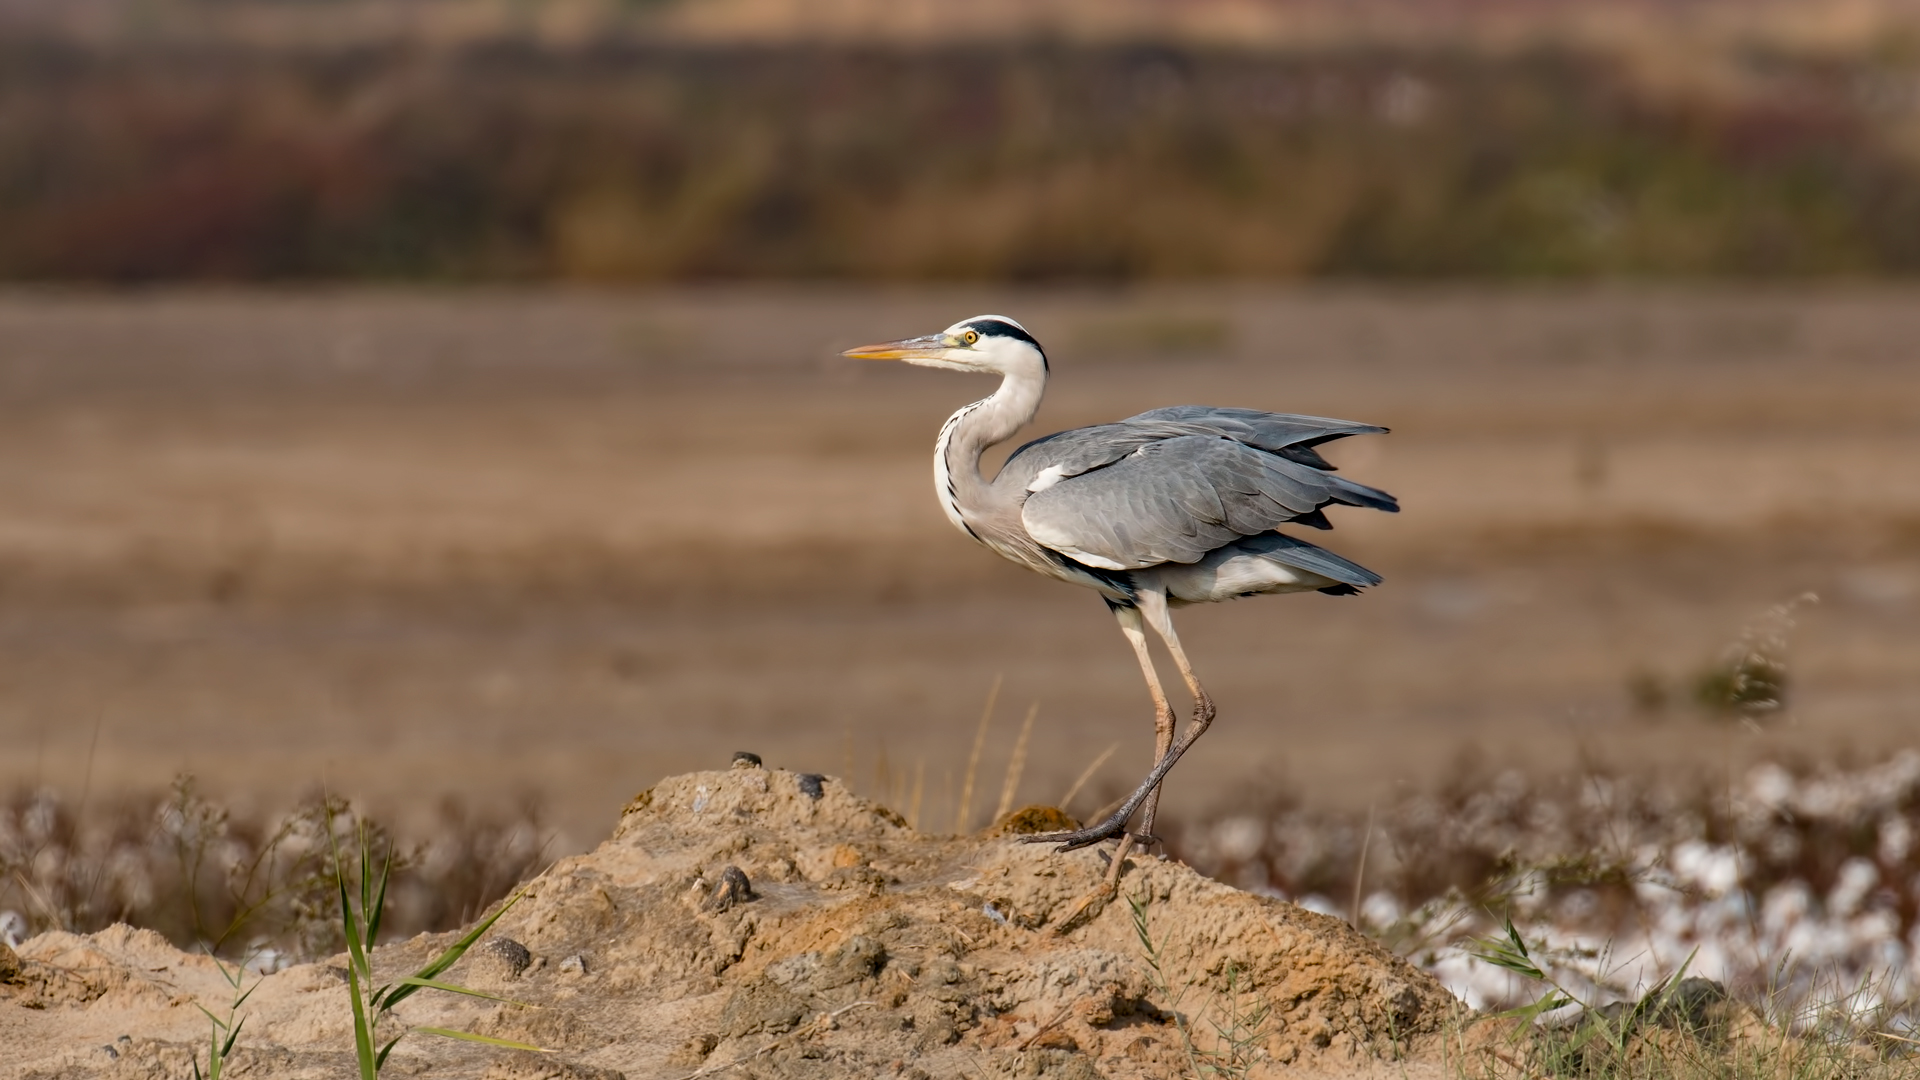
[499,544]
[1641,25]
[467,140]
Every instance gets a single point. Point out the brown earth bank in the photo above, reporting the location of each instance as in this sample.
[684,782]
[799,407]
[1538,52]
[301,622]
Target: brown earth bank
[487,544]
[771,924]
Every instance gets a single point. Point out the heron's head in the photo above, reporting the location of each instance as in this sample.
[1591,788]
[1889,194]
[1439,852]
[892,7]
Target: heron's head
[990,343]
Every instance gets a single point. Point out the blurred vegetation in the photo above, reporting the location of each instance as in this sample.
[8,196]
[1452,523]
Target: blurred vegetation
[629,161]
[247,884]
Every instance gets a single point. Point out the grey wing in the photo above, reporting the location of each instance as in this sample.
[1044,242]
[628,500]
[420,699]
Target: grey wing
[1079,450]
[1287,434]
[1051,458]
[1312,558]
[1175,500]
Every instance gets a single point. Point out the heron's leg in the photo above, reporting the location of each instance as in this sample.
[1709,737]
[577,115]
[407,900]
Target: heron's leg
[1153,606]
[1115,824]
[1092,903]
[1134,627]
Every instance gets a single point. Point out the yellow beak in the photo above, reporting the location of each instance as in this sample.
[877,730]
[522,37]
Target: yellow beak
[929,346]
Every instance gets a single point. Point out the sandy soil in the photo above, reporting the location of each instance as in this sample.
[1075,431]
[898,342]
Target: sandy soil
[853,947]
[491,544]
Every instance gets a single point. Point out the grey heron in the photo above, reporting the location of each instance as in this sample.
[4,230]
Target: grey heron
[1172,507]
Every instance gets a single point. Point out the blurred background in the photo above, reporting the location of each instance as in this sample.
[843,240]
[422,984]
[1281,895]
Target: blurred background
[438,399]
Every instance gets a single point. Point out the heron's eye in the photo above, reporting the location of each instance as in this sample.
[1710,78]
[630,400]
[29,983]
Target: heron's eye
[970,337]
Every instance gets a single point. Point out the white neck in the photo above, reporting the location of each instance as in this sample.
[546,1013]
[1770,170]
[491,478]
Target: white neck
[970,433]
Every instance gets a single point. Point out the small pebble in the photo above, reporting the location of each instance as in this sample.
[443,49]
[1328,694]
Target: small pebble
[734,888]
[112,1054]
[574,965]
[746,759]
[509,952]
[810,785]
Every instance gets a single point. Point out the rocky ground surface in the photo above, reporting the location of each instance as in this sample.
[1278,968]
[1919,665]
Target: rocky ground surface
[765,923]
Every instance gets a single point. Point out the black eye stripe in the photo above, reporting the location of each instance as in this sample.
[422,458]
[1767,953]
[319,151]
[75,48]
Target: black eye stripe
[996,328]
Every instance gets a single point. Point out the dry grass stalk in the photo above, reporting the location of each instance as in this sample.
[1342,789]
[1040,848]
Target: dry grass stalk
[1360,871]
[846,750]
[919,789]
[1016,765]
[964,809]
[946,786]
[1086,775]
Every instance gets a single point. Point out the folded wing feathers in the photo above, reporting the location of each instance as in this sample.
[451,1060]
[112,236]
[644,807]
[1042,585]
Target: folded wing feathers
[1175,494]
[1309,557]
[1289,435]
[1081,449]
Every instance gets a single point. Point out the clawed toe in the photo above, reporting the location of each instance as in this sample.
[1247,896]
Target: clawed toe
[1079,838]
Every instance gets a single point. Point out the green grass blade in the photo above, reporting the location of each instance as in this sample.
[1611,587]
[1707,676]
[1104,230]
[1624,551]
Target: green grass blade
[1601,1029]
[1519,943]
[459,948]
[1553,1000]
[366,877]
[231,1037]
[356,957]
[455,988]
[452,954]
[1509,954]
[381,1058]
[468,1036]
[379,906]
[357,965]
[1140,922]
[362,1030]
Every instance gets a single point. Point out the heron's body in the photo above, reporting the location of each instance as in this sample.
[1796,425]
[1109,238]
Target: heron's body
[1173,506]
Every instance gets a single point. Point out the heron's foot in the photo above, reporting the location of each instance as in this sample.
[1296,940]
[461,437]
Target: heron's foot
[1113,828]
[1078,838]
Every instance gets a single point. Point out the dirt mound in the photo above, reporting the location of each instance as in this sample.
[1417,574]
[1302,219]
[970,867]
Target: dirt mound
[774,924]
